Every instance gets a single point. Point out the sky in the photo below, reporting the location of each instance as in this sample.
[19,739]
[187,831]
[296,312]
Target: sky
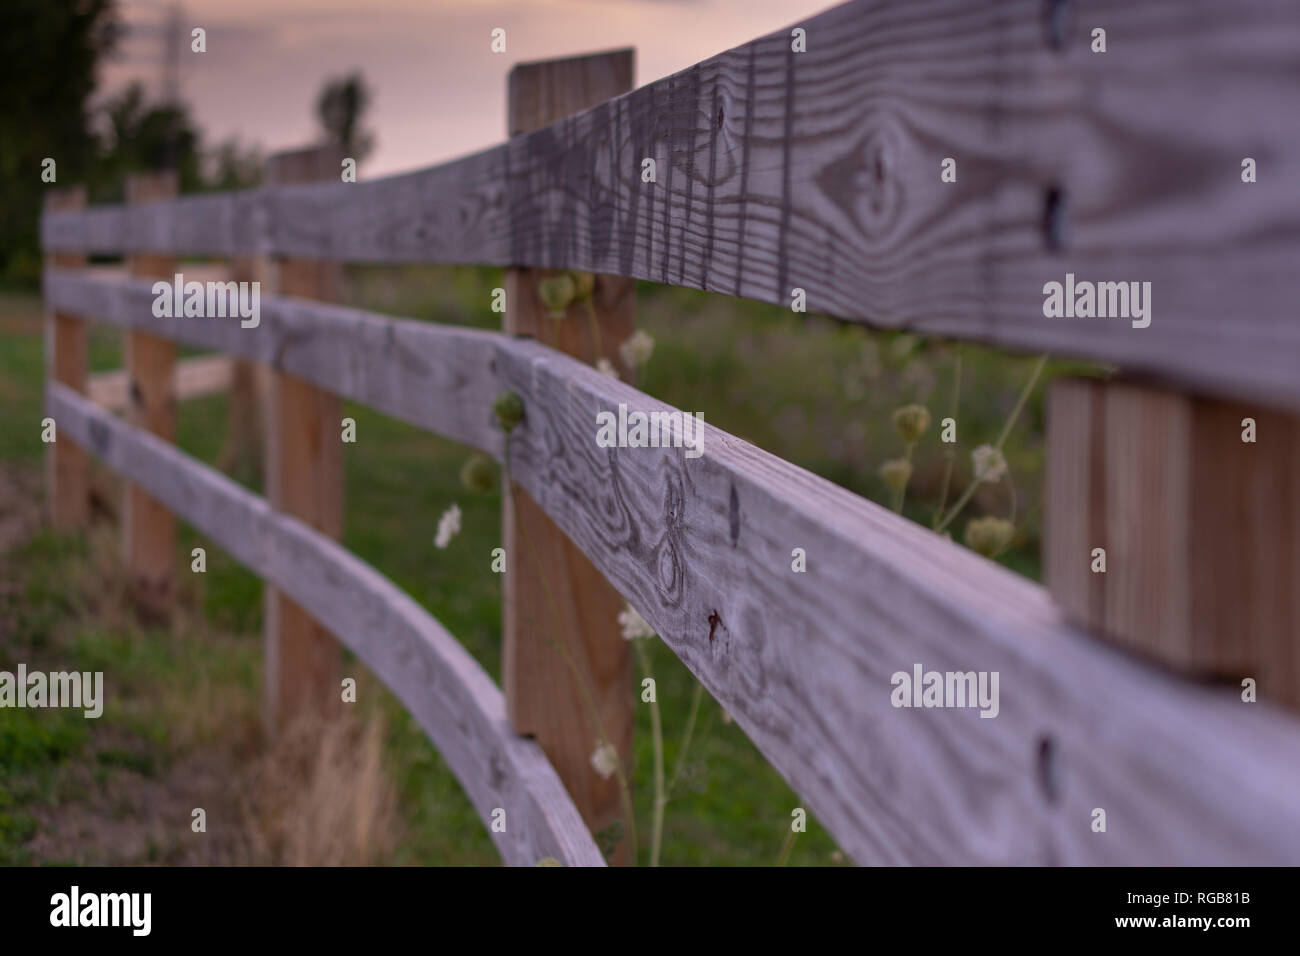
[438,90]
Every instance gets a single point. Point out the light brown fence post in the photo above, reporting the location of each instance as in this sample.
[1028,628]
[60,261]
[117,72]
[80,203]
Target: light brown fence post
[148,529]
[304,476]
[541,696]
[247,395]
[1200,529]
[66,360]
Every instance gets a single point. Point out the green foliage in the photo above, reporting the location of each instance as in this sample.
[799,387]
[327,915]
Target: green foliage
[509,410]
[29,738]
[340,108]
[48,55]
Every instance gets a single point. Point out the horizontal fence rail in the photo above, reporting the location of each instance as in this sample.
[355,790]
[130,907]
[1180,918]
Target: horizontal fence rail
[820,171]
[435,377]
[433,676]
[702,547]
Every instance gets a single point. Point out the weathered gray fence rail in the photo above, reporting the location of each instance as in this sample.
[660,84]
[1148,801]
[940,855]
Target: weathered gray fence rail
[821,170]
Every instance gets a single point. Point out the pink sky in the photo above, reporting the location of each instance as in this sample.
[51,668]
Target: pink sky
[439,92]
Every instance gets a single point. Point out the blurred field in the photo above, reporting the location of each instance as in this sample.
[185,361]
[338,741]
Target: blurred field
[181,728]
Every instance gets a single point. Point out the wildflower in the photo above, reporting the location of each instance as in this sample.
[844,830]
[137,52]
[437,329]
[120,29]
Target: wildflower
[633,624]
[605,367]
[896,473]
[989,464]
[556,293]
[604,760]
[509,409]
[912,421]
[448,526]
[726,717]
[548,861]
[477,474]
[583,284]
[637,349]
[989,536]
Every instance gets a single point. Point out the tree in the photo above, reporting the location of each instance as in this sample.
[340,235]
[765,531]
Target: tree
[340,108]
[48,57]
[143,137]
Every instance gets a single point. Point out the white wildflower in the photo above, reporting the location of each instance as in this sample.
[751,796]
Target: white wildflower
[633,624]
[448,526]
[989,464]
[604,760]
[605,367]
[638,348]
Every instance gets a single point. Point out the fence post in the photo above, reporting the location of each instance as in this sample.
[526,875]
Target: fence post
[542,698]
[247,395]
[66,361]
[1200,529]
[304,475]
[149,529]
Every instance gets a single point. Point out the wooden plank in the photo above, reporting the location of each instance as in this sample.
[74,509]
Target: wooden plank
[553,595]
[195,378]
[433,376]
[304,478]
[1147,508]
[804,662]
[820,170]
[148,529]
[66,360]
[426,667]
[1076,482]
[1199,528]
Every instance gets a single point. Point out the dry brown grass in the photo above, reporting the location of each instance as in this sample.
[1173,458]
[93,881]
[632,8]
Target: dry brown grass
[321,797]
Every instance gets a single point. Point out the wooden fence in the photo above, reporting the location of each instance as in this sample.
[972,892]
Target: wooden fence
[780,168]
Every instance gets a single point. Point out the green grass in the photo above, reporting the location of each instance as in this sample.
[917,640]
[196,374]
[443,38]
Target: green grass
[814,392]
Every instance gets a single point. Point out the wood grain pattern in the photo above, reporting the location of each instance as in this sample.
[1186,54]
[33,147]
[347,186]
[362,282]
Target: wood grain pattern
[1199,527]
[149,529]
[1075,501]
[426,668]
[67,490]
[1147,510]
[820,170]
[553,595]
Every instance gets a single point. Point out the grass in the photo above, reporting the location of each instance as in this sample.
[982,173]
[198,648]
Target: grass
[808,390]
